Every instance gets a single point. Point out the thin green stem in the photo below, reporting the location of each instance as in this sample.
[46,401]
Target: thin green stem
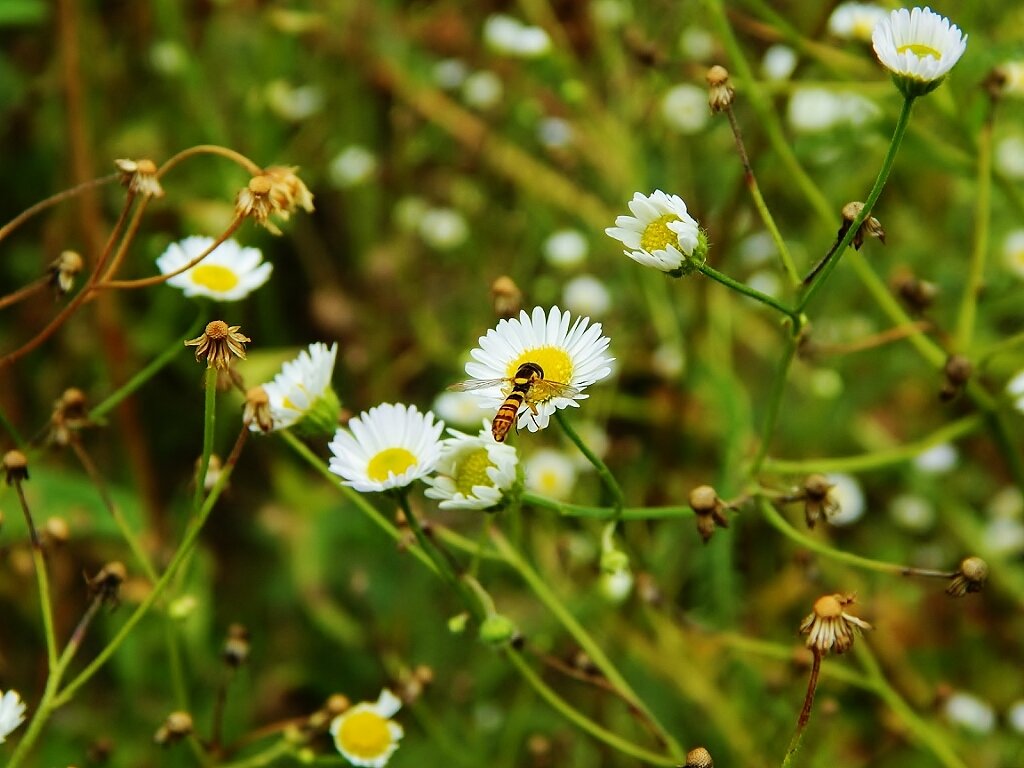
[605,513]
[982,215]
[753,293]
[618,499]
[771,416]
[878,459]
[45,607]
[266,757]
[209,423]
[985,354]
[876,191]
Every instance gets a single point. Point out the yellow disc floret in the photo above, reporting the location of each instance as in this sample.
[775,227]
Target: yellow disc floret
[390,461]
[363,734]
[919,50]
[554,361]
[471,470]
[657,236]
[214,277]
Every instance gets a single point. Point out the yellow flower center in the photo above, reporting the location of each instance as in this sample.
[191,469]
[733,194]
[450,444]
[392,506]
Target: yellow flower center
[657,236]
[364,735]
[919,50]
[389,461]
[472,470]
[214,277]
[554,361]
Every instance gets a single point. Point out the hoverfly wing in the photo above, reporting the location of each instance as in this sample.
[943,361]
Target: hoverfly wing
[543,389]
[471,385]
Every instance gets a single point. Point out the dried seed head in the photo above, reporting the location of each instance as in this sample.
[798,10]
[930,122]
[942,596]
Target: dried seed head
[236,646]
[176,727]
[257,409]
[15,466]
[829,627]
[818,500]
[70,414]
[56,531]
[917,295]
[699,757]
[218,343]
[106,584]
[870,226]
[720,92]
[703,499]
[506,297]
[957,372]
[275,192]
[64,269]
[970,577]
[336,704]
[709,509]
[139,176]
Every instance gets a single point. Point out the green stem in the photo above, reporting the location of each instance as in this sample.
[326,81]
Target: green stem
[982,213]
[877,459]
[45,607]
[985,354]
[876,191]
[586,642]
[752,293]
[605,513]
[771,416]
[266,757]
[618,499]
[209,423]
[575,716]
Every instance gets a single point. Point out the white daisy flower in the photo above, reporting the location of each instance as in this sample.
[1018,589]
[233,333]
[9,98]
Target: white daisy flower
[970,712]
[365,734]
[301,393]
[855,21]
[574,356]
[474,472]
[918,47]
[661,234]
[550,473]
[386,447]
[229,273]
[1013,252]
[12,713]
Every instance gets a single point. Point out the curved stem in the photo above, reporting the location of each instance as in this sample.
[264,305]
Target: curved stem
[605,513]
[618,499]
[24,292]
[876,191]
[52,200]
[209,149]
[753,293]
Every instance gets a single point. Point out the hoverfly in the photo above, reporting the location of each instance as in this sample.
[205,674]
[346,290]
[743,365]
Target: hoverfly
[528,387]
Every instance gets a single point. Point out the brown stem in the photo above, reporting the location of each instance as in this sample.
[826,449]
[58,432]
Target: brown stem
[129,237]
[812,685]
[24,292]
[876,340]
[210,149]
[33,534]
[52,200]
[83,625]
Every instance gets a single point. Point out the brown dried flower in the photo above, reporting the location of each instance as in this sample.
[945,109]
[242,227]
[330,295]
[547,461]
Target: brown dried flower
[70,414]
[969,577]
[106,584]
[139,176]
[236,646]
[275,192]
[870,226]
[15,466]
[699,757]
[176,727]
[64,269]
[829,627]
[257,409]
[218,343]
[720,92]
[957,373]
[506,297]
[818,499]
[709,509]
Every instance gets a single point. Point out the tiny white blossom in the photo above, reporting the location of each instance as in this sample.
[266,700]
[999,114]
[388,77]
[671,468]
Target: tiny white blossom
[697,44]
[1013,252]
[352,166]
[855,21]
[228,273]
[443,228]
[779,62]
[551,473]
[509,36]
[1009,156]
[969,712]
[12,713]
[566,248]
[586,295]
[847,493]
[812,109]
[937,459]
[483,90]
[685,108]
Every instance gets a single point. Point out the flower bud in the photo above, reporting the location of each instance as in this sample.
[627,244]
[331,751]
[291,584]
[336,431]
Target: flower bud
[497,630]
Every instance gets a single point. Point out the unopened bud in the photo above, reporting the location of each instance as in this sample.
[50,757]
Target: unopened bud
[15,466]
[709,509]
[870,226]
[957,372]
[64,269]
[497,630]
[56,530]
[699,757]
[969,577]
[917,295]
[720,92]
[106,584]
[236,647]
[176,727]
[506,297]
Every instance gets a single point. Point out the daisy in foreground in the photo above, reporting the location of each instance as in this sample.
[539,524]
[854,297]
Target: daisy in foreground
[661,234]
[365,734]
[301,393]
[565,358]
[12,713]
[918,47]
[474,472]
[229,273]
[386,447]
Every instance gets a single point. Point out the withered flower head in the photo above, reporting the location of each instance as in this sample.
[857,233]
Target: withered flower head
[236,646]
[64,269]
[720,92]
[176,727]
[699,757]
[818,501]
[106,584]
[870,226]
[969,577]
[70,414]
[257,409]
[275,192]
[506,297]
[829,627]
[957,373]
[918,295]
[15,466]
[709,509]
[218,343]
[139,176]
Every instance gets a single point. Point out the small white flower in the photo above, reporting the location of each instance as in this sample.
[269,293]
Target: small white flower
[551,473]
[970,712]
[572,355]
[229,273]
[812,109]
[302,390]
[449,74]
[352,166]
[461,409]
[1013,252]
[855,21]
[615,586]
[566,248]
[779,62]
[660,233]
[685,108]
[586,295]
[668,361]
[919,47]
[848,496]
[473,472]
[1010,156]
[697,44]
[509,36]
[12,713]
[443,228]
[554,132]
[914,513]
[1004,536]
[1015,716]
[483,90]
[1012,73]
[365,734]
[293,103]
[1015,389]
[937,460]
[386,447]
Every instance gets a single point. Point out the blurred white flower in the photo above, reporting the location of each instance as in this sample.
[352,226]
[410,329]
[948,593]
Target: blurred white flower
[684,108]
[460,409]
[912,513]
[168,57]
[586,295]
[609,13]
[1004,536]
[615,586]
[766,281]
[12,713]
[668,361]
[443,228]
[1015,716]
[1012,73]
[779,62]
[294,103]
[1013,252]
[813,109]
[550,473]
[969,712]
[847,493]
[352,166]
[1010,156]
[757,249]
[449,74]
[483,90]
[697,44]
[509,36]
[938,459]
[855,21]
[1015,389]
[565,248]
[554,132]
[229,272]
